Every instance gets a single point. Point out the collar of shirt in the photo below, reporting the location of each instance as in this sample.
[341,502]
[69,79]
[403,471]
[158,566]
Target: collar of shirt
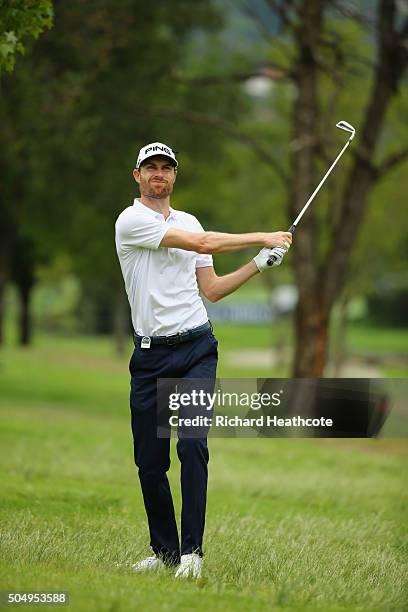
[155,214]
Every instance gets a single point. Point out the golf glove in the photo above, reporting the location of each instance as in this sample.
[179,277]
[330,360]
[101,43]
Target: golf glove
[263,256]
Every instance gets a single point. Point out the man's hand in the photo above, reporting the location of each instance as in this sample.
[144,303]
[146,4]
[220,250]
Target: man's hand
[277,239]
[263,256]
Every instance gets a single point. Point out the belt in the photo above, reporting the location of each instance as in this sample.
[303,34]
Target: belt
[176,338]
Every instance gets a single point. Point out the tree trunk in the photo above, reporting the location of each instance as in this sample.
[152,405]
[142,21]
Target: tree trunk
[121,321]
[311,321]
[5,248]
[24,290]
[340,350]
[2,311]
[310,318]
[7,233]
[24,278]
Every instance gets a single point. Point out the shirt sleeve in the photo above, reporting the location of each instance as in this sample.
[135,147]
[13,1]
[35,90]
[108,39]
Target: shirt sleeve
[202,260]
[140,230]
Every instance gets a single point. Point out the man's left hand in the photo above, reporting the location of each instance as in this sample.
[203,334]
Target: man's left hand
[262,258]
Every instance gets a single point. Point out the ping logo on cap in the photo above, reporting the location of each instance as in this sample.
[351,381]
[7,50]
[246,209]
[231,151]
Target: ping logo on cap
[155,148]
[158,148]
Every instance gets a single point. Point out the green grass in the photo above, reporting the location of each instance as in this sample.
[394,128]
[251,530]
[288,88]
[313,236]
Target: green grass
[365,339]
[291,524]
[387,347]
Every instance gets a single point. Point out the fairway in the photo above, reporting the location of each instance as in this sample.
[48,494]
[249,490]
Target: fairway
[291,524]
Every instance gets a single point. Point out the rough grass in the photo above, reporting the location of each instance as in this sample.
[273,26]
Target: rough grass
[291,524]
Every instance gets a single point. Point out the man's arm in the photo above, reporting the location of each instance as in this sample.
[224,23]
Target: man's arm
[219,242]
[215,287]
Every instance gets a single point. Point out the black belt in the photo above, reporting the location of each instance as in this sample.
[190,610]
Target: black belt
[176,338]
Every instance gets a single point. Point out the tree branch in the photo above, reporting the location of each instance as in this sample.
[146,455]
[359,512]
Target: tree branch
[230,129]
[349,11]
[330,111]
[390,162]
[404,33]
[282,10]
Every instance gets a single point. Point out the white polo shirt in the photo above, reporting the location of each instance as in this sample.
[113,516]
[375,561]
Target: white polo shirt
[160,283]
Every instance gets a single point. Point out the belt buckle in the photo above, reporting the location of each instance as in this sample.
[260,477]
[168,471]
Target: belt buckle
[172,340]
[145,342]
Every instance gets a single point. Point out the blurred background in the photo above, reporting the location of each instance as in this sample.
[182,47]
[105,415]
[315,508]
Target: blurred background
[248,93]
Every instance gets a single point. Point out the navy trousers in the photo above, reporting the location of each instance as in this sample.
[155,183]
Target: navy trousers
[196,358]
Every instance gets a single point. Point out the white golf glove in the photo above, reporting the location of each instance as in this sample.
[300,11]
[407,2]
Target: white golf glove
[263,256]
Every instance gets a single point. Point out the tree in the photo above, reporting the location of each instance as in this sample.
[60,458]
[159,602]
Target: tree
[72,118]
[320,281]
[19,20]
[316,46]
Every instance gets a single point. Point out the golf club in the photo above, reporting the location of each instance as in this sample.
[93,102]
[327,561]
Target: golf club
[342,125]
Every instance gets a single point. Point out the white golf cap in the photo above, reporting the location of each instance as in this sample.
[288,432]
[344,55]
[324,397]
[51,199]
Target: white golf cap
[155,148]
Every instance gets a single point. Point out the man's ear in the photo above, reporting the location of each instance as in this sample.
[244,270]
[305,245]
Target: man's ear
[136,175]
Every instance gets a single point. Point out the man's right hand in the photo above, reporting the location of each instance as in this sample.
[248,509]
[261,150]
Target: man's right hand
[278,239]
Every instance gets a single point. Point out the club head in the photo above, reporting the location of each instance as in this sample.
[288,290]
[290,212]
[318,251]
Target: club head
[343,125]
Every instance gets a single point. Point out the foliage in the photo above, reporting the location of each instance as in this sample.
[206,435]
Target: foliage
[389,307]
[75,114]
[21,20]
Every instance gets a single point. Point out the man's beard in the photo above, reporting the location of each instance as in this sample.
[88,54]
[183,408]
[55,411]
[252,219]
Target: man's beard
[150,192]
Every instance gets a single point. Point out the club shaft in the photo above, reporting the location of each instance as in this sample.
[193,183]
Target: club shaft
[310,200]
[349,128]
[292,228]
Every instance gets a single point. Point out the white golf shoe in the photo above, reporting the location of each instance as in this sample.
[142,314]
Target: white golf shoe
[150,564]
[190,566]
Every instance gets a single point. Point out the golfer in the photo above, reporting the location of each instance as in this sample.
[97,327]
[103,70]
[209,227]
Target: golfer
[166,259]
